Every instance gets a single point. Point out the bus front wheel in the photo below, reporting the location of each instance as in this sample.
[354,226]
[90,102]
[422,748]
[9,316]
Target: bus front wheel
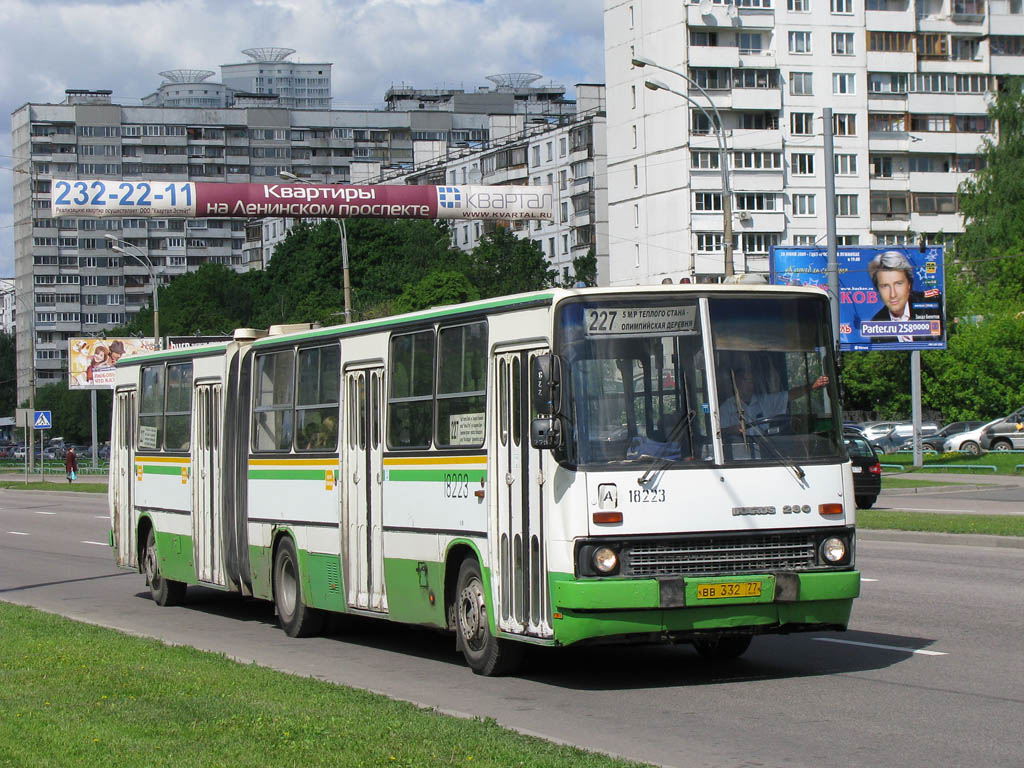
[295,617]
[164,591]
[485,654]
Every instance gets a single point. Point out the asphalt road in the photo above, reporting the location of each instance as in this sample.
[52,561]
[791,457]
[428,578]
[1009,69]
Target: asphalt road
[930,674]
[980,494]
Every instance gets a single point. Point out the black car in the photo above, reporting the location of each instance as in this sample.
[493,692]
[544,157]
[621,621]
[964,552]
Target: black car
[867,472]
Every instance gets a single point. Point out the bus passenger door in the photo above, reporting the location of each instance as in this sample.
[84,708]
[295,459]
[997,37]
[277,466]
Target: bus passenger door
[206,479]
[125,519]
[522,599]
[363,482]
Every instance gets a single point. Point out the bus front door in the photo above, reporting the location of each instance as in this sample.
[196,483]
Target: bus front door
[207,535]
[122,482]
[363,482]
[522,598]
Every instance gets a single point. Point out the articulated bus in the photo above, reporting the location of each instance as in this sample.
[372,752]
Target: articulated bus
[551,468]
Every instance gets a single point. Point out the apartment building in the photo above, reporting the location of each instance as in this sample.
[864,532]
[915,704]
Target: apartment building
[908,82]
[564,151]
[65,268]
[8,306]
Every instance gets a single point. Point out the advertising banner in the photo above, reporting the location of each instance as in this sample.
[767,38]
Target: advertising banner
[91,360]
[889,297]
[186,342]
[140,199]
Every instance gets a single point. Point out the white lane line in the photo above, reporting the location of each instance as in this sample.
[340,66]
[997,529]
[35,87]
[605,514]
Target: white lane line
[39,512]
[101,517]
[97,543]
[883,647]
[17,533]
[862,578]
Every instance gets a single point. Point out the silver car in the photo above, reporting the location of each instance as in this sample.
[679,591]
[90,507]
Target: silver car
[968,442]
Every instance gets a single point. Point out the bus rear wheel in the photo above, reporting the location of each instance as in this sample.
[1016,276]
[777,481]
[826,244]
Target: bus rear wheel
[722,647]
[484,653]
[164,591]
[295,617]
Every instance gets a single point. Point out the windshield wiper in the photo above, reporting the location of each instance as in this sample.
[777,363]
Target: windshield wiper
[660,462]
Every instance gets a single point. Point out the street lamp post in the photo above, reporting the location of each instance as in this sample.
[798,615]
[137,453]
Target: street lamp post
[344,248]
[723,155]
[122,246]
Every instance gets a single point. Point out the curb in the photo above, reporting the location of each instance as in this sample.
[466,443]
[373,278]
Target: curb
[952,539]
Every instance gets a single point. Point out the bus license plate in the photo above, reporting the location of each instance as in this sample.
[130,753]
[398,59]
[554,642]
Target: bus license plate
[728,589]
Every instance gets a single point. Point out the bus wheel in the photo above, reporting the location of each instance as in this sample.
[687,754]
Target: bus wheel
[164,591]
[295,617]
[485,654]
[722,647]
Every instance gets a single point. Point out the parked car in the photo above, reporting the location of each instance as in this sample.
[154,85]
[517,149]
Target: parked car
[1005,434]
[937,440]
[867,472]
[902,431]
[19,452]
[875,429]
[968,442]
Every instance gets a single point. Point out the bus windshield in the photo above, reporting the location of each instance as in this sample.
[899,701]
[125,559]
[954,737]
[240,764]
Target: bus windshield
[639,384]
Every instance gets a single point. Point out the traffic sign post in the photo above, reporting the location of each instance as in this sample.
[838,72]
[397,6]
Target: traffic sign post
[43,420]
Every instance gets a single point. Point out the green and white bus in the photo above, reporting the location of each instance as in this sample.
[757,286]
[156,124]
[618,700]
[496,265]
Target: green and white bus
[551,468]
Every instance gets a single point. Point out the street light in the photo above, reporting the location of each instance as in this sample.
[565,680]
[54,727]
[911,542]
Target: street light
[723,155]
[122,246]
[344,247]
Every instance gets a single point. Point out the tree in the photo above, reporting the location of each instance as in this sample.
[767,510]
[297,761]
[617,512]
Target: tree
[8,375]
[584,269]
[437,288]
[992,202]
[503,263]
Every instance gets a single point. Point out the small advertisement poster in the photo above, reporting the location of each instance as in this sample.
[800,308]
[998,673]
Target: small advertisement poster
[890,297]
[91,360]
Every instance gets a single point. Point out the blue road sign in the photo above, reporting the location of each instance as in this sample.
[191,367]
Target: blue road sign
[43,420]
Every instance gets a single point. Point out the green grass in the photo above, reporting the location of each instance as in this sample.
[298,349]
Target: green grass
[933,522]
[77,695]
[1004,462]
[57,484]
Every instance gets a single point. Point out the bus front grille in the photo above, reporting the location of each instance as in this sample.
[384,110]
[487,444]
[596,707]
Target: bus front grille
[709,555]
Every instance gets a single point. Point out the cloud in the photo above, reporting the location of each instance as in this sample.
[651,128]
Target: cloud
[47,46]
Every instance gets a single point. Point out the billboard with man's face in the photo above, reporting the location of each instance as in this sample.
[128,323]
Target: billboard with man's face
[91,361]
[889,297]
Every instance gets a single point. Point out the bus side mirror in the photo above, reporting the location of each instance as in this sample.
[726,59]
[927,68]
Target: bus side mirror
[545,432]
[544,382]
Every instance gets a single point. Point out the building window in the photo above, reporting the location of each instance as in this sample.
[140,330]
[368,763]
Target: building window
[803,205]
[805,240]
[846,165]
[799,6]
[888,205]
[709,242]
[843,83]
[846,205]
[931,203]
[802,163]
[800,42]
[801,83]
[755,201]
[801,123]
[703,38]
[704,160]
[844,124]
[891,42]
[757,160]
[842,44]
[888,82]
[707,201]
[842,6]
[844,240]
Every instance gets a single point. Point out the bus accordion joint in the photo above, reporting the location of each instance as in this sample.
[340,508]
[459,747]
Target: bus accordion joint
[830,509]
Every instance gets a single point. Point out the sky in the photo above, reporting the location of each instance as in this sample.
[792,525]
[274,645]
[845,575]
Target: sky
[47,46]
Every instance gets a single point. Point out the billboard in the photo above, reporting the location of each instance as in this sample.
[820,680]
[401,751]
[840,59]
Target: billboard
[107,197]
[889,297]
[91,360]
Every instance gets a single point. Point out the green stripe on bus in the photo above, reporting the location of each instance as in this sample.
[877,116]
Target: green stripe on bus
[157,469]
[290,474]
[436,475]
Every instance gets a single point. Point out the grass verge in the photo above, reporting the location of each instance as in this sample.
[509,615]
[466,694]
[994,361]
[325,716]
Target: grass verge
[79,695]
[932,522]
[1004,462]
[75,487]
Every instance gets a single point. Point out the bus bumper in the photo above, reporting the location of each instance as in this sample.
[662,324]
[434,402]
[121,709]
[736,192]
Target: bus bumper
[606,608]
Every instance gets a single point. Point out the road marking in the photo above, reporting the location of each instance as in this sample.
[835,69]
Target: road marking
[97,543]
[883,647]
[862,578]
[17,533]
[39,512]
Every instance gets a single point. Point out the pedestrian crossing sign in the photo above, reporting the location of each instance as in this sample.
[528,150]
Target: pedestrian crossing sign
[43,420]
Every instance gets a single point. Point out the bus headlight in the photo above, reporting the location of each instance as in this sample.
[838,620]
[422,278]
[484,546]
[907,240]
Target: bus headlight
[606,560]
[833,549]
